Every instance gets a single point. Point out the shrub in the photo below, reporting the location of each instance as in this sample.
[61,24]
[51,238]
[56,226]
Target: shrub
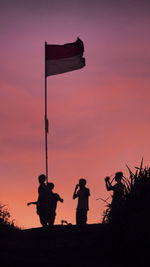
[5,218]
[135,202]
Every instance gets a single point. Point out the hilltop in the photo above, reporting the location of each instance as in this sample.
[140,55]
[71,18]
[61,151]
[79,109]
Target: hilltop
[70,246]
[123,239]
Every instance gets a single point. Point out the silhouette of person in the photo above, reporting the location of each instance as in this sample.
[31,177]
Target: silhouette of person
[53,199]
[118,188]
[82,194]
[42,203]
[118,192]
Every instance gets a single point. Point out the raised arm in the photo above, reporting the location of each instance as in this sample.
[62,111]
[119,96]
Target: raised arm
[75,192]
[60,199]
[29,203]
[108,184]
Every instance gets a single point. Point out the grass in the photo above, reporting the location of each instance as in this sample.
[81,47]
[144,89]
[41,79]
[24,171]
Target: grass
[6,222]
[135,203]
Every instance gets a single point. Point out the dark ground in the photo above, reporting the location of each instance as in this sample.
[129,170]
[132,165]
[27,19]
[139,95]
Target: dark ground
[71,246]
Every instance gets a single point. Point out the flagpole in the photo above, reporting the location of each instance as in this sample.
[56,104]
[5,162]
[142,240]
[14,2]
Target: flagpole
[46,120]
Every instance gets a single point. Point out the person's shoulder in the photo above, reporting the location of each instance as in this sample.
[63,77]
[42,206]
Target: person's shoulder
[40,188]
[118,186]
[87,190]
[122,185]
[55,195]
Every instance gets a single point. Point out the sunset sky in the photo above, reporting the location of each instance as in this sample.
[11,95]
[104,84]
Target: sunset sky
[99,116]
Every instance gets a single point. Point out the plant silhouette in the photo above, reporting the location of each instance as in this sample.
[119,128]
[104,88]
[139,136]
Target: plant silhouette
[5,218]
[135,201]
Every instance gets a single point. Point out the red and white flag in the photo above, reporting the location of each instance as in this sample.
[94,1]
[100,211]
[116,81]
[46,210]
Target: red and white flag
[64,58]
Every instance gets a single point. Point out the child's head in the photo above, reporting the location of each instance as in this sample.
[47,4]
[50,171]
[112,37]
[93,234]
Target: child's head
[50,186]
[118,176]
[42,179]
[82,183]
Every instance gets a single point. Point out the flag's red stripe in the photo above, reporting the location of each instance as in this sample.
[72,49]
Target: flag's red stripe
[64,51]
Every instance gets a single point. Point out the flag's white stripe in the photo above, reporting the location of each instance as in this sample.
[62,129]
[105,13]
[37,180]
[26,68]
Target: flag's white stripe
[64,65]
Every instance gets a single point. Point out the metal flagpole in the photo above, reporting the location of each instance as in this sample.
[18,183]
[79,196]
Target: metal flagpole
[46,120]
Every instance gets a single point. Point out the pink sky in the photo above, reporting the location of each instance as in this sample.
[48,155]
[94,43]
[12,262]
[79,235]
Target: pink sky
[99,116]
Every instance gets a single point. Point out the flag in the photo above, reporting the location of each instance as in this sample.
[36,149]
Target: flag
[63,58]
